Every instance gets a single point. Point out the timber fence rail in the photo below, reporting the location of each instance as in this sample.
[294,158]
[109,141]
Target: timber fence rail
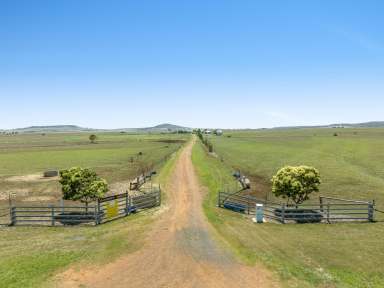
[328,210]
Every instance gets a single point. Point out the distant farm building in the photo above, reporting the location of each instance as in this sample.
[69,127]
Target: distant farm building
[218,132]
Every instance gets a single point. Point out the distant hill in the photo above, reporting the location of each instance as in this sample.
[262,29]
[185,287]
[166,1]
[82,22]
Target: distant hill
[52,128]
[373,124]
[167,127]
[74,128]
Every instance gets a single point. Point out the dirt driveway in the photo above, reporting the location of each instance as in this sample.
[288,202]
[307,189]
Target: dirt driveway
[180,250]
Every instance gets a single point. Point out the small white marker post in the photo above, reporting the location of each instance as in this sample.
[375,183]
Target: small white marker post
[259,214]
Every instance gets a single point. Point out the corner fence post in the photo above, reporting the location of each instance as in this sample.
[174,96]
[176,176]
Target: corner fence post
[328,213]
[283,214]
[13,216]
[371,211]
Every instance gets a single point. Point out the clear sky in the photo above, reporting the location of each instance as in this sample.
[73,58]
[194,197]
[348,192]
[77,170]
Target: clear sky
[200,63]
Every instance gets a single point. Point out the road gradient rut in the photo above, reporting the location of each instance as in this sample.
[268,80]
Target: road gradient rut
[180,250]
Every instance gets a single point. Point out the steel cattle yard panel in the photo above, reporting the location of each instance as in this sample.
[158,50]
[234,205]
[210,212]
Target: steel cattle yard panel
[328,210]
[104,210]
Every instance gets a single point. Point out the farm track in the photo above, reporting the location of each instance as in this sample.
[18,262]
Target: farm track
[180,250]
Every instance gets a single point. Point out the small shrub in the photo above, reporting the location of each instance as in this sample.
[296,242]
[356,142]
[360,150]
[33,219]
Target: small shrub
[296,183]
[82,184]
[92,138]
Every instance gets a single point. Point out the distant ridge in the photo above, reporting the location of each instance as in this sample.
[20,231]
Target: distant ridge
[166,127]
[372,124]
[169,127]
[51,128]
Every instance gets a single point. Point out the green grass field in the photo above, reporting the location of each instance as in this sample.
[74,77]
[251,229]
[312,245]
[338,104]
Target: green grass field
[351,165]
[309,255]
[114,157]
[31,256]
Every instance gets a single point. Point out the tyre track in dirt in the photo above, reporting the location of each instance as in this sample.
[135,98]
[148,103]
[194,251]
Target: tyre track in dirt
[179,251]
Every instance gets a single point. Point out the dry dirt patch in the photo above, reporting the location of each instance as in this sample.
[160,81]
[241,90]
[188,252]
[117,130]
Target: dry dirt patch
[14,193]
[31,178]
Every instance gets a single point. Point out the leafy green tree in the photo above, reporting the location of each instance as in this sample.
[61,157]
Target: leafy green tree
[92,138]
[82,184]
[296,183]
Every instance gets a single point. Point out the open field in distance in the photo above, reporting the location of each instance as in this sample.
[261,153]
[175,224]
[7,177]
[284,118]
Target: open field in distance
[350,164]
[114,156]
[309,255]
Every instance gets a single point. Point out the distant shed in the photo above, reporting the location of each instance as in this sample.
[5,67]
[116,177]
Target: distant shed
[219,132]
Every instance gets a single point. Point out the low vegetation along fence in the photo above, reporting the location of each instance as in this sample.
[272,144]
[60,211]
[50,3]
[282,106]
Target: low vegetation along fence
[104,210]
[328,209]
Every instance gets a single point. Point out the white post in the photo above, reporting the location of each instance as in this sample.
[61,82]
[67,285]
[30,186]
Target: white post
[259,217]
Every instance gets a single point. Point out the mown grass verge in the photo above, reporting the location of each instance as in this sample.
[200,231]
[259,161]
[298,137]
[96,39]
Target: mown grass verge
[310,255]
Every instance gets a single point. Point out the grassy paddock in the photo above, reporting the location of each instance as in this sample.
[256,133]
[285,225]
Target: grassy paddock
[114,157]
[351,164]
[30,256]
[310,255]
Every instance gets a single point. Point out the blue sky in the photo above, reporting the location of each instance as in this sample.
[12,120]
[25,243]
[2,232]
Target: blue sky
[230,64]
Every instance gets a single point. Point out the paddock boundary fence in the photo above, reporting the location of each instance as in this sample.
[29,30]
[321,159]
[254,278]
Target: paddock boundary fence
[327,210]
